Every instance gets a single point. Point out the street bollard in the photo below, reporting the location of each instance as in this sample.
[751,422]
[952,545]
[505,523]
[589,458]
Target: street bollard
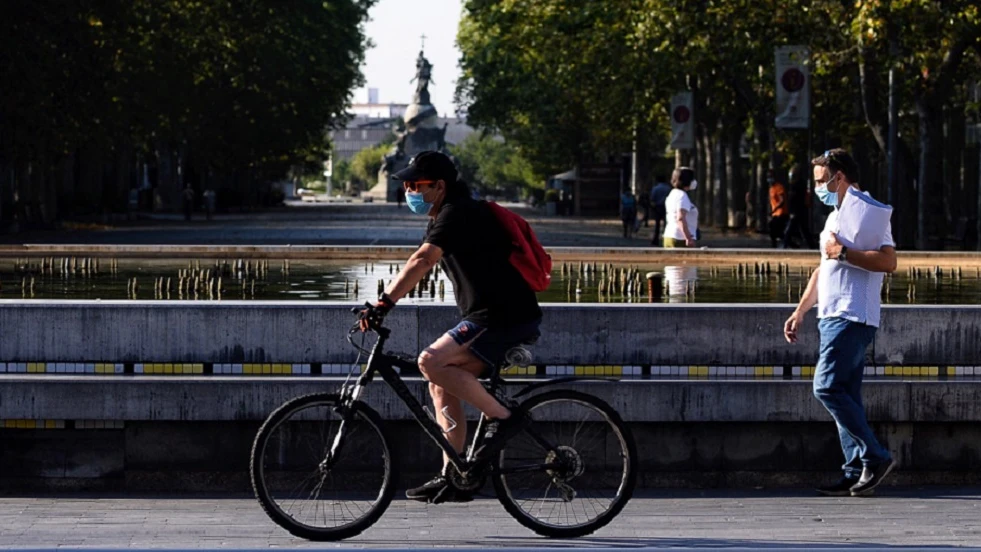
[655,287]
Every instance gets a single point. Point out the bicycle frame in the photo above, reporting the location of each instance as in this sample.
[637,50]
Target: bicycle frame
[380,363]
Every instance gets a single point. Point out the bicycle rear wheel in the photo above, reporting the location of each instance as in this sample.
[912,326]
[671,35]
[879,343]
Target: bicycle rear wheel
[579,472]
[310,491]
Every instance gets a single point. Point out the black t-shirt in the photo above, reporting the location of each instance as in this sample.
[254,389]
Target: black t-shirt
[476,249]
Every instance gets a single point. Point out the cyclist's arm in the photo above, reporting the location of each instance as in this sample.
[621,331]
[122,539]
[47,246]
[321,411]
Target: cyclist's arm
[424,259]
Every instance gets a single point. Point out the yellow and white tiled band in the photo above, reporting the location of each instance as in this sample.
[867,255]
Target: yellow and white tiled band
[255,369]
[587,370]
[60,368]
[62,424]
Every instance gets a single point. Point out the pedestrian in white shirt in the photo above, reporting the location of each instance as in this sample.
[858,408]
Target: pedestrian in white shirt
[681,215]
[845,287]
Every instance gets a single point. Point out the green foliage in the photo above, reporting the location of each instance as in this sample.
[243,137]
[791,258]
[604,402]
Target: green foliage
[342,172]
[489,163]
[365,165]
[233,85]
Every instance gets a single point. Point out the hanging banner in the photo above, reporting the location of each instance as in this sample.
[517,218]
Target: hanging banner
[793,87]
[682,121]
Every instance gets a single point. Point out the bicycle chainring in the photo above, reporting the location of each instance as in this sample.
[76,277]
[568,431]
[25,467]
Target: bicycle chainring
[470,481]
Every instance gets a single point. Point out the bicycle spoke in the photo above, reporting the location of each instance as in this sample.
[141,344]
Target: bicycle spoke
[575,483]
[318,495]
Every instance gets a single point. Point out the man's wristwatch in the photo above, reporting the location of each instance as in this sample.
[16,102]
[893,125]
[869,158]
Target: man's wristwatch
[841,255]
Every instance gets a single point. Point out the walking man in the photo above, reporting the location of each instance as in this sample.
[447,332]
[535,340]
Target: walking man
[845,287]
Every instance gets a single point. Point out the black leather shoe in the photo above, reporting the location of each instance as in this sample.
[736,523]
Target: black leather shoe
[872,476]
[842,488]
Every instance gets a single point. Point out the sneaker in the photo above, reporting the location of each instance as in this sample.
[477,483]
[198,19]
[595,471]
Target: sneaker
[842,488]
[428,490]
[872,476]
[438,490]
[498,432]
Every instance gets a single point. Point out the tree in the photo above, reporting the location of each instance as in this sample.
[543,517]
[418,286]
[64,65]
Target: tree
[232,93]
[489,163]
[928,41]
[365,165]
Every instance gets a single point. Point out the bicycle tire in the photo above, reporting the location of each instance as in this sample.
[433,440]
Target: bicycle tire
[270,505]
[626,485]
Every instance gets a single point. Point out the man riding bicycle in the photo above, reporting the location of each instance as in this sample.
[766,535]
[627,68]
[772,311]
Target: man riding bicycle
[498,307]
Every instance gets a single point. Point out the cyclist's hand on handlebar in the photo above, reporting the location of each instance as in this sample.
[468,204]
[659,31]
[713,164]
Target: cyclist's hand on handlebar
[372,315]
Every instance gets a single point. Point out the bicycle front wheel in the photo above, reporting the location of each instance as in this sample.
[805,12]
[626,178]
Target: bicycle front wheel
[572,471]
[315,483]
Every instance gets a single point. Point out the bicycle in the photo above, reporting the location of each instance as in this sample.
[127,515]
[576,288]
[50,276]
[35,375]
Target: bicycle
[322,465]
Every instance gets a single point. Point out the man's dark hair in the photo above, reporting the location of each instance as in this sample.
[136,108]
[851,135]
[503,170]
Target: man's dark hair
[838,160]
[682,177]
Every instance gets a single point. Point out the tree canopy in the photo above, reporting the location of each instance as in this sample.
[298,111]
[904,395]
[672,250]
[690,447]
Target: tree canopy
[569,82]
[223,87]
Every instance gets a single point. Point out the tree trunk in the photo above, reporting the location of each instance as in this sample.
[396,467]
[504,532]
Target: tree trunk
[930,226]
[954,146]
[736,192]
[721,195]
[760,191]
[704,190]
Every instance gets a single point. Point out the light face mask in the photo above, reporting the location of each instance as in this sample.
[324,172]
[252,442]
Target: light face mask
[825,195]
[417,204]
[694,184]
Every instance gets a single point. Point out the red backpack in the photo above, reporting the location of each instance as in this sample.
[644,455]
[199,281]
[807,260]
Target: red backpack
[528,257]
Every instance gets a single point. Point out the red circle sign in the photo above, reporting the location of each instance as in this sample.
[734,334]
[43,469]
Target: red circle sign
[682,114]
[792,79]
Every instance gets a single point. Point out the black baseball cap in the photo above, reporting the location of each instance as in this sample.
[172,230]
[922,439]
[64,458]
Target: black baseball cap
[428,165]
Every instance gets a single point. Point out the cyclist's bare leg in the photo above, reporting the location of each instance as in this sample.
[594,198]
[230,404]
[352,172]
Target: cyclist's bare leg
[454,368]
[454,410]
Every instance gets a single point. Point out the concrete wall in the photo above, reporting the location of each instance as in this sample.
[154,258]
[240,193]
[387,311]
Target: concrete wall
[194,433]
[161,433]
[295,332]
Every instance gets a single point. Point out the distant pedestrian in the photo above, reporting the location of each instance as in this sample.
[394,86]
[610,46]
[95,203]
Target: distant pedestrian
[845,287]
[645,208]
[799,224]
[628,213]
[779,212]
[188,198]
[659,193]
[681,215]
[209,203]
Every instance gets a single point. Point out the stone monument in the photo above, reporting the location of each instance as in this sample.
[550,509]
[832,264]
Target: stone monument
[420,132]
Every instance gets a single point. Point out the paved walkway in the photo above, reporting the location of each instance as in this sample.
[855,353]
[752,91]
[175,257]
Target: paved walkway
[342,224]
[915,518]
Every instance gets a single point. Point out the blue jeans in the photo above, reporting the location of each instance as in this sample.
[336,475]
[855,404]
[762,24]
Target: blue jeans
[838,385]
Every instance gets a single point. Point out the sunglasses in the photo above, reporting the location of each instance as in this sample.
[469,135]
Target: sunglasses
[413,186]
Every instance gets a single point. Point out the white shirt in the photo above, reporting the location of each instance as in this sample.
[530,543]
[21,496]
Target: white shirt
[846,291]
[678,200]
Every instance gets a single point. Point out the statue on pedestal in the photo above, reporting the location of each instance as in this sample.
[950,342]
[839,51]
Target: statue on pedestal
[421,132]
[423,73]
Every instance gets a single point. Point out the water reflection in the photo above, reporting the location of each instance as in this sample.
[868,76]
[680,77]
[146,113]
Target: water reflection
[224,279]
[680,283]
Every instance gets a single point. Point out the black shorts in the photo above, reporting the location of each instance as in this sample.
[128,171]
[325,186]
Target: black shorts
[492,344]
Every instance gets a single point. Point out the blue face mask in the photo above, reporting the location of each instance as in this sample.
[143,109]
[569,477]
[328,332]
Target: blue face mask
[417,204]
[825,195]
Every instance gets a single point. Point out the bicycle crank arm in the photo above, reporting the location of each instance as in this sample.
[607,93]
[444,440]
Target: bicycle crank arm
[531,468]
